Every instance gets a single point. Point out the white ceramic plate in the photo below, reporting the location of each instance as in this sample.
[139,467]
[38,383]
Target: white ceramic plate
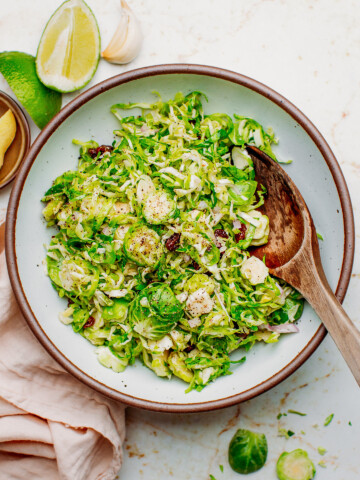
[314,170]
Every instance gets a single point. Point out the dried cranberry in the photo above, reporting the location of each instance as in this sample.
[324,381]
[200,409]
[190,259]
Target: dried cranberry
[242,335]
[195,265]
[241,235]
[189,348]
[105,148]
[93,152]
[221,233]
[173,242]
[90,322]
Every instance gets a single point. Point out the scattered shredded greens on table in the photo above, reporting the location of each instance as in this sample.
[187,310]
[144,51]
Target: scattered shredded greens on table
[322,450]
[295,412]
[282,432]
[328,420]
[152,248]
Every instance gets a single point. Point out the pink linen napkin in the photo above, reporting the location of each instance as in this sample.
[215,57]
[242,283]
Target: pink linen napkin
[52,427]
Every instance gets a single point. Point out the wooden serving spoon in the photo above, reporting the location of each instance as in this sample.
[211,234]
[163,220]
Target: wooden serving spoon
[293,255]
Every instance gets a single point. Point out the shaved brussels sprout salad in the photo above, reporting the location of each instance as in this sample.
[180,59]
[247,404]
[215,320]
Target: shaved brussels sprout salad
[152,250]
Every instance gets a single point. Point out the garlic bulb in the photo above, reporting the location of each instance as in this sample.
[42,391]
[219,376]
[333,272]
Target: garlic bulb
[126,42]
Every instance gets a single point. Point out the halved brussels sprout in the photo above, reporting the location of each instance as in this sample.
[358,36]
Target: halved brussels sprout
[290,311]
[157,362]
[202,250]
[119,210]
[119,236]
[96,207]
[254,270]
[159,206]
[247,451]
[158,346]
[97,336]
[178,367]
[102,253]
[111,359]
[241,159]
[142,245]
[200,280]
[80,317]
[241,192]
[180,339]
[155,311]
[52,208]
[74,275]
[204,376]
[144,187]
[295,465]
[117,311]
[262,229]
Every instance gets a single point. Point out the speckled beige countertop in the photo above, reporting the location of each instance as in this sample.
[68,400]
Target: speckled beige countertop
[309,51]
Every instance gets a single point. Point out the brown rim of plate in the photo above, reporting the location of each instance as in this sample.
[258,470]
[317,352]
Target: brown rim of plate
[23,124]
[296,114]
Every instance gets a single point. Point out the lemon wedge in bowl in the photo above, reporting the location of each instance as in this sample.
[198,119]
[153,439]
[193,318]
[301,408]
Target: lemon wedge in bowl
[7,133]
[69,48]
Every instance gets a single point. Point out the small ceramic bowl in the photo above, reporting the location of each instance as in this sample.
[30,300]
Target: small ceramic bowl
[21,143]
[314,170]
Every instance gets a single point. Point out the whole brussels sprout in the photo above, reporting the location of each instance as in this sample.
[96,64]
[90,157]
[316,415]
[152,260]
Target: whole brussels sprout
[247,451]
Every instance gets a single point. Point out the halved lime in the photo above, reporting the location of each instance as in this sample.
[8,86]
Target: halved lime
[19,71]
[69,48]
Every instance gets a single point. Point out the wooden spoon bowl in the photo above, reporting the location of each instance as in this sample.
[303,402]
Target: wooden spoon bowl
[292,254]
[19,146]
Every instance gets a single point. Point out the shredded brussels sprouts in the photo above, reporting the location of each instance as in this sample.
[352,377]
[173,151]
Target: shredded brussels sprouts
[152,251]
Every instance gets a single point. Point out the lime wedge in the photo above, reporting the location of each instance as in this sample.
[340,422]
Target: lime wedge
[69,48]
[19,71]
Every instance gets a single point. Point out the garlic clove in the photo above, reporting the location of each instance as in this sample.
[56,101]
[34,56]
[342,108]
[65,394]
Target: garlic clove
[126,42]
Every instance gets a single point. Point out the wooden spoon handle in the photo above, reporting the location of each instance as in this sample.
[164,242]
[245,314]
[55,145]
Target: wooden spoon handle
[341,328]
